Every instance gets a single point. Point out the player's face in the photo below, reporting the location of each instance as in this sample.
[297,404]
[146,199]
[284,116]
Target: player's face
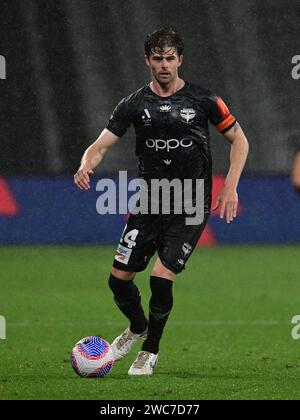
[164,66]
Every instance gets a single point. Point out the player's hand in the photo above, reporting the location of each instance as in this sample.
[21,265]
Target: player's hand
[82,177]
[228,203]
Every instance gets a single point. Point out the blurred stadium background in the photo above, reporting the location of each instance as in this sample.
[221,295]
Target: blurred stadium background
[68,63]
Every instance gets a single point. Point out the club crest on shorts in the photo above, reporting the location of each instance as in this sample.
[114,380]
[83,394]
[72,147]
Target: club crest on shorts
[187,248]
[123,254]
[187,114]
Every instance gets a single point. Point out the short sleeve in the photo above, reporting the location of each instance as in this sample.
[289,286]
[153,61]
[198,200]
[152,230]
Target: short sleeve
[120,119]
[219,114]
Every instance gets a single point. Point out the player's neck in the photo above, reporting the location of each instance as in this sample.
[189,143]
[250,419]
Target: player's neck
[167,89]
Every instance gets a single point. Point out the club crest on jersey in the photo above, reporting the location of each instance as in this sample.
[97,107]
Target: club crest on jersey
[165,108]
[187,114]
[123,254]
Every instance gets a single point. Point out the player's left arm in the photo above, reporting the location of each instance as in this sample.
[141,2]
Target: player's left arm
[228,198]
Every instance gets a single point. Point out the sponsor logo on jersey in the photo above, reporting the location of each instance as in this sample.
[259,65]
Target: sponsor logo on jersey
[146,117]
[187,248]
[167,162]
[187,114]
[165,108]
[123,254]
[169,144]
[147,113]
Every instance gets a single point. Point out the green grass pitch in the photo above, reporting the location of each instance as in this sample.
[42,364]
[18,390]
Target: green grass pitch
[228,337]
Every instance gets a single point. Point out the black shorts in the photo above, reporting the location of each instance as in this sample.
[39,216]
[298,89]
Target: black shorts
[169,235]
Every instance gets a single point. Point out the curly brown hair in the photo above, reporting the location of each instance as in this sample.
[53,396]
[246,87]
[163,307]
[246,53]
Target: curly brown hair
[161,38]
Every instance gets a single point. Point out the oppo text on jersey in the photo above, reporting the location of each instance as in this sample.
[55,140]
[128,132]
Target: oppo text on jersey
[161,144]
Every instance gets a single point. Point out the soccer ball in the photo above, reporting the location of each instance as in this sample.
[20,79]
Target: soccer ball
[92,357]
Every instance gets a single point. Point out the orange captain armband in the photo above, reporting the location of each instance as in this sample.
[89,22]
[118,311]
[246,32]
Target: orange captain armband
[228,120]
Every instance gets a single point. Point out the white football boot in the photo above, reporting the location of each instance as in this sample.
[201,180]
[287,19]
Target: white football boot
[144,364]
[123,344]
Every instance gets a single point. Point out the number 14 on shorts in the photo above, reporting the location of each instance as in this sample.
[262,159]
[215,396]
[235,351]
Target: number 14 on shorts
[124,252]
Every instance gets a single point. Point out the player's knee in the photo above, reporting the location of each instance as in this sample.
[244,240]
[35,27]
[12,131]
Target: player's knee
[159,270]
[125,292]
[122,275]
[162,297]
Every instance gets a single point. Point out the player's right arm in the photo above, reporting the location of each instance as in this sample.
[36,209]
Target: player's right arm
[92,158]
[117,126]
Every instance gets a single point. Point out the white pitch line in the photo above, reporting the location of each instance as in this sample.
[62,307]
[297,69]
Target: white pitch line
[28,324]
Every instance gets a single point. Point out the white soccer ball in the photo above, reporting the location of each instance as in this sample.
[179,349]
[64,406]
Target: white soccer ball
[92,357]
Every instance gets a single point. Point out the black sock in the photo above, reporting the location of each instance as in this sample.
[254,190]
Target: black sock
[160,306]
[128,299]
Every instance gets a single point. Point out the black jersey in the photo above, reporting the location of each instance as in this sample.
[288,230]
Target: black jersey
[172,133]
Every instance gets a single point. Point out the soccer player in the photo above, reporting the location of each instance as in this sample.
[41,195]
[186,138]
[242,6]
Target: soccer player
[170,116]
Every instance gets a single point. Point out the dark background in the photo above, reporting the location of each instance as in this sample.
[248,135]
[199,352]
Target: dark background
[70,62]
